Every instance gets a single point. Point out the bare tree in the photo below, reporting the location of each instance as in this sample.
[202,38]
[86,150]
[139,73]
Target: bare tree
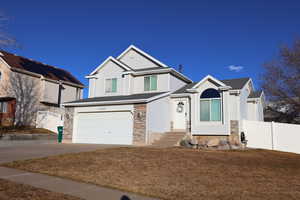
[281,84]
[26,91]
[5,39]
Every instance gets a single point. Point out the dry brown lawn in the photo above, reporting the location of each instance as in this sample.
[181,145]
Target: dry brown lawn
[177,173]
[15,191]
[24,130]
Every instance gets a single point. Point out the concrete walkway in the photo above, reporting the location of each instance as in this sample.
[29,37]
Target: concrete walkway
[77,189]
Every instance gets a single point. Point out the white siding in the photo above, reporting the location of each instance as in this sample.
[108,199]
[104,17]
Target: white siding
[162,84]
[260,110]
[69,93]
[252,113]
[255,110]
[92,87]
[234,107]
[243,102]
[50,92]
[175,83]
[159,116]
[209,128]
[109,70]
[136,60]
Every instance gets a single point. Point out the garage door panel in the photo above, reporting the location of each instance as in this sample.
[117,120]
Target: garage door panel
[104,128]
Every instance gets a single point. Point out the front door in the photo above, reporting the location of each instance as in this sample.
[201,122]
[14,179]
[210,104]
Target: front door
[180,114]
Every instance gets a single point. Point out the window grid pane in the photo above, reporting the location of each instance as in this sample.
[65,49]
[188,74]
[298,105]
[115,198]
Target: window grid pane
[154,82]
[204,110]
[215,110]
[147,83]
[108,85]
[114,85]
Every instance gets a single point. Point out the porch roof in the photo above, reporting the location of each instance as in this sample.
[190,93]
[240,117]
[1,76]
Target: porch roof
[235,84]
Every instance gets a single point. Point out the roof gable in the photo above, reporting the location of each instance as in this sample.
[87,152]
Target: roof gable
[209,78]
[137,59]
[110,59]
[47,71]
[236,84]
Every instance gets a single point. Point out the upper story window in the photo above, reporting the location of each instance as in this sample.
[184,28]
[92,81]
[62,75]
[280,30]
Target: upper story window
[111,85]
[150,83]
[210,105]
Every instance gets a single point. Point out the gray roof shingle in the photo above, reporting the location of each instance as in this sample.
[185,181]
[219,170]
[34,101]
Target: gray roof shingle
[235,84]
[184,88]
[118,98]
[45,70]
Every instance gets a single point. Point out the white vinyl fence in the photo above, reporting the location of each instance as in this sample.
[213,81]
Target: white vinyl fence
[49,120]
[273,136]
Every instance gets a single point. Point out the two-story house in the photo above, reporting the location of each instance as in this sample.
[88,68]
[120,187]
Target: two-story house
[28,86]
[136,99]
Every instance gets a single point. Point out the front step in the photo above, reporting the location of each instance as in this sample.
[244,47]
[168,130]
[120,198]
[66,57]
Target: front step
[169,139]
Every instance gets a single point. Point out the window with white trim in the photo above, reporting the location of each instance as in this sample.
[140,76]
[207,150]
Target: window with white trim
[111,85]
[150,83]
[3,107]
[210,105]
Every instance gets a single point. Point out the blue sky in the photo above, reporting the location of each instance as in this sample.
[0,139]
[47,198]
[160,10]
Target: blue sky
[206,37]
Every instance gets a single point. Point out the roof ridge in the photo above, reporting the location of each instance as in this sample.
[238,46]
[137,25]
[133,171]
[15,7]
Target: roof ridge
[32,60]
[43,66]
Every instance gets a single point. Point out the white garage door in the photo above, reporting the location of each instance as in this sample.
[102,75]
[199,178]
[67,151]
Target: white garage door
[104,128]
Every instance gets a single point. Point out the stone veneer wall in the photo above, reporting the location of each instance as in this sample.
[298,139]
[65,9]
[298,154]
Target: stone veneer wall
[68,123]
[234,137]
[221,140]
[154,137]
[139,124]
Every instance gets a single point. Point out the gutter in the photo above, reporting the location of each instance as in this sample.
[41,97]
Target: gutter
[62,82]
[180,95]
[156,71]
[118,102]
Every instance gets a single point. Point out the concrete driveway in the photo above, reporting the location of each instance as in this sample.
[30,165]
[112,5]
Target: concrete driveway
[9,154]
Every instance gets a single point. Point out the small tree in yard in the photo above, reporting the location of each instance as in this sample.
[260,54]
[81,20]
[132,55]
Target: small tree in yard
[281,84]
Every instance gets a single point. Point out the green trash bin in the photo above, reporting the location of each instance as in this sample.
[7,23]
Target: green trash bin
[60,130]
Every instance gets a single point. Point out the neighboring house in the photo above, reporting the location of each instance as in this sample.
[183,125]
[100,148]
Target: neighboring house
[135,99]
[29,86]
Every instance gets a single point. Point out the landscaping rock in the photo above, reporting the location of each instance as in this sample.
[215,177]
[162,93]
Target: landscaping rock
[186,143]
[224,147]
[213,142]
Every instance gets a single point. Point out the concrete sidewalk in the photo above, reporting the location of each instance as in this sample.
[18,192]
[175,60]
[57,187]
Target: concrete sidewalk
[77,189]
